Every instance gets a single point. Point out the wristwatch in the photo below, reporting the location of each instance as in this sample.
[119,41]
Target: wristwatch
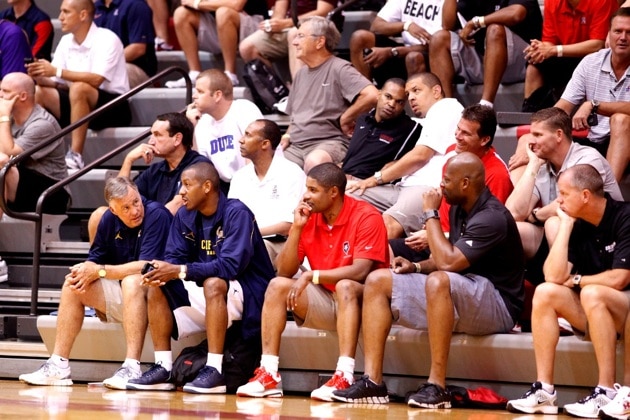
[395,52]
[102,273]
[595,105]
[431,214]
[379,177]
[182,272]
[576,281]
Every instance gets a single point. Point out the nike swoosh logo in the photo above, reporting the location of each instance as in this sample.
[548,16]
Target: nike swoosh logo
[325,84]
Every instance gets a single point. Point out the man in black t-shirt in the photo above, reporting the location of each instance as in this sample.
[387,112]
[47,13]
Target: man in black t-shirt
[382,135]
[488,47]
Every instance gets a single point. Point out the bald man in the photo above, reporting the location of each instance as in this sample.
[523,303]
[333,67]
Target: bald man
[24,124]
[471,283]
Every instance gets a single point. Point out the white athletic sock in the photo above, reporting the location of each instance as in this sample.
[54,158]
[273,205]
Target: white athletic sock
[132,364]
[216,361]
[164,358]
[486,103]
[345,365]
[270,363]
[59,361]
[549,388]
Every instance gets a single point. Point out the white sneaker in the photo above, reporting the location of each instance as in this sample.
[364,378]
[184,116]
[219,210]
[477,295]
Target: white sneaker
[535,401]
[619,407]
[74,160]
[120,378]
[4,271]
[181,83]
[589,406]
[324,392]
[281,105]
[48,374]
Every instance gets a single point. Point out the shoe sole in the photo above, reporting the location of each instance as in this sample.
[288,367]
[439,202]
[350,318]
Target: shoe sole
[441,405]
[154,387]
[364,400]
[54,382]
[271,393]
[579,414]
[199,390]
[604,415]
[532,410]
[112,385]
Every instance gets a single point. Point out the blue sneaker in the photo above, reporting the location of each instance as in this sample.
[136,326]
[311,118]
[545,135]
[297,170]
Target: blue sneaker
[208,381]
[157,378]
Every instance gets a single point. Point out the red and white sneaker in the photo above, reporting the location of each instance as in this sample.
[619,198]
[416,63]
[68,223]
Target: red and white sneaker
[324,392]
[263,384]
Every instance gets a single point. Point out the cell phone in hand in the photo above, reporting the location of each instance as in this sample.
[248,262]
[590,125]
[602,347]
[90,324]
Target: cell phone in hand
[146,268]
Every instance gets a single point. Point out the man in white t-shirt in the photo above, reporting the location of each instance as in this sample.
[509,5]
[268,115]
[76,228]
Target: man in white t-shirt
[220,122]
[271,186]
[387,57]
[88,71]
[421,168]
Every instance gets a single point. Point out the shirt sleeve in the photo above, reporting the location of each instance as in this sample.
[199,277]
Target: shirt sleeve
[371,239]
[44,31]
[157,225]
[140,25]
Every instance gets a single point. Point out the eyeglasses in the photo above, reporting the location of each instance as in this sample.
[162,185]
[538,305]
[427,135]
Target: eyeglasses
[301,35]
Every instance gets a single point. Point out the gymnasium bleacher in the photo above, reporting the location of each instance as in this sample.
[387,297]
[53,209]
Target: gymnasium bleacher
[503,362]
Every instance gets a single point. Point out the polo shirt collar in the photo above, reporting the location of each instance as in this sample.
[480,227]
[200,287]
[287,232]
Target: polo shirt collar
[344,216]
[89,40]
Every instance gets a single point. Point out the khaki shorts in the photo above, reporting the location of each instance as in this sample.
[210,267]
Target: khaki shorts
[403,204]
[297,152]
[208,38]
[113,301]
[469,64]
[322,309]
[271,46]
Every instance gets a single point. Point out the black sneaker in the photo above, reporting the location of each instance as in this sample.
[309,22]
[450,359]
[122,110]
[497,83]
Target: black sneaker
[363,391]
[157,378]
[208,381]
[430,396]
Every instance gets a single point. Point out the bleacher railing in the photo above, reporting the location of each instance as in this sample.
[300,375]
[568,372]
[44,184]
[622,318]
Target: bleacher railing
[37,216]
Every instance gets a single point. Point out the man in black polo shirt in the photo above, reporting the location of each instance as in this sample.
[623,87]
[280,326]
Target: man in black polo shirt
[382,135]
[171,139]
[587,282]
[481,293]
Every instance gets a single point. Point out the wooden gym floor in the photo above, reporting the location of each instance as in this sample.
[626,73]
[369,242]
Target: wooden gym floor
[81,401]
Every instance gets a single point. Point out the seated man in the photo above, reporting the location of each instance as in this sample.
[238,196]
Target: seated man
[587,282]
[571,30]
[132,232]
[215,26]
[419,169]
[275,35]
[471,283]
[216,271]
[383,135]
[131,21]
[171,139]
[489,47]
[24,124]
[87,71]
[379,57]
[343,239]
[327,97]
[270,186]
[474,134]
[533,201]
[220,121]
[35,22]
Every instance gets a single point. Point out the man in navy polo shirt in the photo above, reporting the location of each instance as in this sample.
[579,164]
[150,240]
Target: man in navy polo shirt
[35,22]
[171,139]
[132,21]
[132,232]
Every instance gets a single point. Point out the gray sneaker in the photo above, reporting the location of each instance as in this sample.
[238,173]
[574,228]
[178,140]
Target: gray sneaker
[48,374]
[120,378]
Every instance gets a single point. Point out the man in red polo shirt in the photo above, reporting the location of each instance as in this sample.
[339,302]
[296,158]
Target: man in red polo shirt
[344,240]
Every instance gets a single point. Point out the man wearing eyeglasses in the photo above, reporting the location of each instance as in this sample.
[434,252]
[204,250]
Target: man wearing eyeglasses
[327,96]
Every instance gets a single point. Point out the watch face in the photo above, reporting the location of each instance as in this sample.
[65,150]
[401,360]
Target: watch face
[102,273]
